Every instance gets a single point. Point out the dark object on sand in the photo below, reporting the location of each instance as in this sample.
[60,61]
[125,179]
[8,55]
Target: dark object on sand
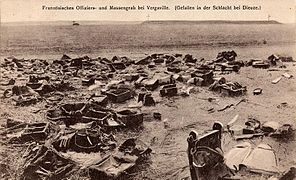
[100,100]
[86,140]
[290,175]
[22,90]
[260,64]
[157,115]
[115,165]
[252,126]
[174,69]
[47,163]
[77,62]
[72,113]
[205,154]
[229,88]
[150,84]
[10,82]
[227,67]
[90,140]
[189,59]
[264,41]
[247,136]
[286,75]
[257,91]
[25,100]
[75,23]
[131,77]
[26,95]
[117,66]
[205,75]
[144,61]
[34,85]
[134,146]
[169,90]
[88,82]
[119,95]
[273,59]
[146,98]
[284,131]
[130,118]
[65,57]
[35,131]
[286,59]
[226,56]
[270,126]
[112,166]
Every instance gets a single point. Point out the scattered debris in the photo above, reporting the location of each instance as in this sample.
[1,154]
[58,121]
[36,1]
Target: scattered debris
[187,91]
[169,90]
[252,126]
[157,115]
[257,91]
[290,175]
[146,98]
[85,140]
[236,130]
[205,154]
[72,113]
[285,131]
[230,123]
[247,136]
[231,105]
[275,81]
[230,88]
[261,159]
[88,122]
[10,82]
[282,105]
[260,64]
[113,166]
[130,118]
[286,59]
[119,95]
[101,100]
[270,126]
[47,163]
[35,131]
[286,75]
[272,61]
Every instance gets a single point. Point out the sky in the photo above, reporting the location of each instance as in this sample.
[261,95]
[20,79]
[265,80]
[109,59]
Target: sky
[31,10]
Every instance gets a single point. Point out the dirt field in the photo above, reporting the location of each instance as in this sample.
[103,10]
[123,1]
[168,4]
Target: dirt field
[179,115]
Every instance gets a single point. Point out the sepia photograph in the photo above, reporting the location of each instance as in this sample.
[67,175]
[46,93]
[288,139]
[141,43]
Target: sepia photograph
[155,90]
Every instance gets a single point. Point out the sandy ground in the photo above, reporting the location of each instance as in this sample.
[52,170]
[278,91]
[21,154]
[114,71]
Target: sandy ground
[191,114]
[180,115]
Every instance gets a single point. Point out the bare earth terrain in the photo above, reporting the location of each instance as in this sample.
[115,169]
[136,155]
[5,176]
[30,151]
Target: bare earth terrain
[179,115]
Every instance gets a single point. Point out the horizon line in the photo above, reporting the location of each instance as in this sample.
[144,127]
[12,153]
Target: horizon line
[126,21]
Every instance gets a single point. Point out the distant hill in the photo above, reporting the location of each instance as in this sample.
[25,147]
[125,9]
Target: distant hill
[211,22]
